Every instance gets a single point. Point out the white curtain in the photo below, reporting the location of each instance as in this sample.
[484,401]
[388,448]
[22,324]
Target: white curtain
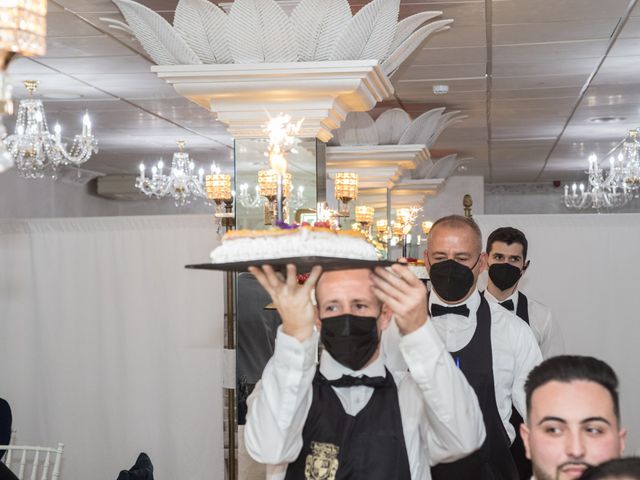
[586,269]
[109,345]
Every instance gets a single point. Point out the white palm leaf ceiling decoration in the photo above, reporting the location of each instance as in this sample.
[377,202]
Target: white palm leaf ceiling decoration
[259,31]
[395,127]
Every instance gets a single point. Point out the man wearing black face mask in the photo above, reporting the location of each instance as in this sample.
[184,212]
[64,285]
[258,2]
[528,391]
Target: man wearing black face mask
[507,259]
[494,349]
[349,417]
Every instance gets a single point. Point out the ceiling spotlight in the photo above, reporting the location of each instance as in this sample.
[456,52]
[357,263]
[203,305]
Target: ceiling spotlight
[440,89]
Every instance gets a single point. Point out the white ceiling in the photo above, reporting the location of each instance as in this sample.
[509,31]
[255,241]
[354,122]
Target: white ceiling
[529,74]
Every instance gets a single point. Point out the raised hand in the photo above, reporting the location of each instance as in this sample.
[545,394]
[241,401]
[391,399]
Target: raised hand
[404,294]
[292,301]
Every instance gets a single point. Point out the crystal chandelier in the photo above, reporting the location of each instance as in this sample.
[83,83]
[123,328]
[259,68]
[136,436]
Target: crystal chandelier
[22,30]
[35,150]
[605,190]
[182,183]
[248,200]
[630,158]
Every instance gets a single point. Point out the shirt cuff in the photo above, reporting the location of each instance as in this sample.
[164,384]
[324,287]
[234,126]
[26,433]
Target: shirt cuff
[290,351]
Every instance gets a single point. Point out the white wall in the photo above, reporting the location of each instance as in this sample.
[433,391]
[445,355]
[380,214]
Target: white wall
[585,268]
[46,198]
[449,199]
[109,345]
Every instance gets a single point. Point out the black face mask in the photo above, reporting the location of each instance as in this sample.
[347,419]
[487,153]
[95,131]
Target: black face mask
[504,275]
[451,280]
[350,339]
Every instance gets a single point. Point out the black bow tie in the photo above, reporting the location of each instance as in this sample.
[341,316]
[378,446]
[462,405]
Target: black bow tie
[437,310]
[349,381]
[508,304]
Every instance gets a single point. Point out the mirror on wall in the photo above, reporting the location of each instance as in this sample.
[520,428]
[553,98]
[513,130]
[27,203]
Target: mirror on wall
[257,321]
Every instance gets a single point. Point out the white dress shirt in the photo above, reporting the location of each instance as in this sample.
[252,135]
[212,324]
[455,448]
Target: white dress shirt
[441,418]
[546,331]
[514,350]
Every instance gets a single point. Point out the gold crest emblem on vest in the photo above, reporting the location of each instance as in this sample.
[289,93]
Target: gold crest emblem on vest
[322,462]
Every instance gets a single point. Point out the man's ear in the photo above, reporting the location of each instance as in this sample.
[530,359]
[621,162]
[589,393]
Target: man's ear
[482,262]
[524,434]
[623,440]
[385,317]
[526,265]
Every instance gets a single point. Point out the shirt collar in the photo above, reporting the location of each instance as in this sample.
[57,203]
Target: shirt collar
[472,303]
[332,369]
[513,297]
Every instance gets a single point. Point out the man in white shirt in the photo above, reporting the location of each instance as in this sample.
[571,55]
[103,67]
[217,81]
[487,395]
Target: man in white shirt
[507,260]
[350,417]
[574,417]
[493,348]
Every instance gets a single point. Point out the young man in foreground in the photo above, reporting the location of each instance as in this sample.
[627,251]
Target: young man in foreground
[574,417]
[350,417]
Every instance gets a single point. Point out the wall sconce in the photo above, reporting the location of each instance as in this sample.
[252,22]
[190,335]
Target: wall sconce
[426,227]
[364,215]
[268,185]
[382,231]
[403,221]
[364,218]
[218,187]
[346,189]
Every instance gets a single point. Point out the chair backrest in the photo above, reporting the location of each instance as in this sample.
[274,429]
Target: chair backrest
[33,463]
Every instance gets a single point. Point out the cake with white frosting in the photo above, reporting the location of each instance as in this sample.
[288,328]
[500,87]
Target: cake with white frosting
[305,241]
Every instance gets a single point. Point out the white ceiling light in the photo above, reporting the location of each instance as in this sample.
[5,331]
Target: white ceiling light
[440,89]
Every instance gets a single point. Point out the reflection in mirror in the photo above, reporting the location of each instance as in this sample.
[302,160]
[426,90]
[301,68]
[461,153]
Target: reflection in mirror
[257,321]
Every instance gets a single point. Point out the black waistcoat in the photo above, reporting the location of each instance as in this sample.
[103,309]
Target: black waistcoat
[493,461]
[517,448]
[336,445]
[523,307]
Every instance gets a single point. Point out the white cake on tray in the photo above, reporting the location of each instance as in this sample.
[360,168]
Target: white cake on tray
[305,241]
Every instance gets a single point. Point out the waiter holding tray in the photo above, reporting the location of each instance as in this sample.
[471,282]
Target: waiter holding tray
[348,417]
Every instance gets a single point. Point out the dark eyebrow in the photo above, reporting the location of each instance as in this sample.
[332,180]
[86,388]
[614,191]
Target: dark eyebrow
[551,419]
[562,420]
[596,419]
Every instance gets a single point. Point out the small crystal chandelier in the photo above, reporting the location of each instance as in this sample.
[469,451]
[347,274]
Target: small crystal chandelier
[248,200]
[604,190]
[181,183]
[630,158]
[36,151]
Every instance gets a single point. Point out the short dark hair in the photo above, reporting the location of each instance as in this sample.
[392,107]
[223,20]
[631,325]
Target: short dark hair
[508,235]
[628,467]
[457,221]
[569,368]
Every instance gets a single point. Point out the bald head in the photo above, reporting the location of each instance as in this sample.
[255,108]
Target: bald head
[460,226]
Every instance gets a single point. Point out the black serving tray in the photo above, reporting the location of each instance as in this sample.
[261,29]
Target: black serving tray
[303,264]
